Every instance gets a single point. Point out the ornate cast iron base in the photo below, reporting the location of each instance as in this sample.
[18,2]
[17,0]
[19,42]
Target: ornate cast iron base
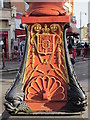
[46,80]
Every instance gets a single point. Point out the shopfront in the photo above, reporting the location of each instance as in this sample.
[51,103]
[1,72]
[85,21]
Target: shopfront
[4,38]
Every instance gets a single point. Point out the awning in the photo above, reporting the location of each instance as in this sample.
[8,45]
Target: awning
[18,36]
[21,34]
[73,30]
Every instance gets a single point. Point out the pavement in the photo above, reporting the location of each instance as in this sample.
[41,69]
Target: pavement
[13,65]
[79,59]
[81,68]
[10,65]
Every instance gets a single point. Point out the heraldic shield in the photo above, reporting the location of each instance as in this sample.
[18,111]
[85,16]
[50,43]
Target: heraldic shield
[46,89]
[46,80]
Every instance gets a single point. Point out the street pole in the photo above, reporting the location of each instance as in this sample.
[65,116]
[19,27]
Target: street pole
[3,56]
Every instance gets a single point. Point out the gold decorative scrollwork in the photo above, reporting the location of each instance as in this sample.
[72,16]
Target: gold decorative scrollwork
[45,29]
[46,84]
[45,40]
[37,28]
[54,28]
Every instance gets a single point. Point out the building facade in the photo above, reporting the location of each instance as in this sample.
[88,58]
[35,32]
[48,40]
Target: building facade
[19,5]
[84,35]
[19,33]
[88,21]
[9,23]
[7,27]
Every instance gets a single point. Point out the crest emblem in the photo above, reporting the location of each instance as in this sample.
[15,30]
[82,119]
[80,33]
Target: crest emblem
[45,43]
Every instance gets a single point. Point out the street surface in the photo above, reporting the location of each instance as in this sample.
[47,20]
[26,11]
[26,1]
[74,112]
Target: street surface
[82,71]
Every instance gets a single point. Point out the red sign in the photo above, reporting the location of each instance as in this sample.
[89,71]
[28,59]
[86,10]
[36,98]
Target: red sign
[3,33]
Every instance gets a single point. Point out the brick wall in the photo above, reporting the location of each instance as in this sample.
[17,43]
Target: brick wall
[19,5]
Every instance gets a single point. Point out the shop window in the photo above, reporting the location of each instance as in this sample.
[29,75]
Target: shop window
[7,4]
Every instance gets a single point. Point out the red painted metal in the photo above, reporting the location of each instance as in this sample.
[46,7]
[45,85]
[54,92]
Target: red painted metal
[45,78]
[46,19]
[46,8]
[3,59]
